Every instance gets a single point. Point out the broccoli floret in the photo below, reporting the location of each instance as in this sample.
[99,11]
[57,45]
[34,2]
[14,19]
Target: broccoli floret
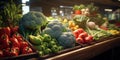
[67,40]
[32,22]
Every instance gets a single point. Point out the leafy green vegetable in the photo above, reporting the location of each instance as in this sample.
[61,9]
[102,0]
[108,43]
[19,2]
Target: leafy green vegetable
[11,14]
[31,23]
[113,26]
[92,7]
[79,7]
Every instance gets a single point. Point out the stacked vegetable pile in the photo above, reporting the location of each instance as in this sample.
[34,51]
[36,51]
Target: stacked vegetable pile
[12,43]
[62,34]
[82,36]
[50,39]
[91,21]
[45,44]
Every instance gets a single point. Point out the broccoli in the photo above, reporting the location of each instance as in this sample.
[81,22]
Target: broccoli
[62,34]
[32,22]
[66,40]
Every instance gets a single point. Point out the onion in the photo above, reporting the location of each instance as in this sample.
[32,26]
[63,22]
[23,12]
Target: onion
[91,24]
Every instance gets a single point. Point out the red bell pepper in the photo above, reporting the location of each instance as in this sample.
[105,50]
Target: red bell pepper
[7,30]
[14,29]
[18,37]
[6,52]
[5,41]
[15,42]
[23,44]
[27,50]
[14,51]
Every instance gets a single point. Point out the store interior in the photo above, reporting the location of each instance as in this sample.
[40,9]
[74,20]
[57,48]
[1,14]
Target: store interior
[32,21]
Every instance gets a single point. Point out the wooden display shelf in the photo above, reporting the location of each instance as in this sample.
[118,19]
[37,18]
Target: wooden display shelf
[88,52]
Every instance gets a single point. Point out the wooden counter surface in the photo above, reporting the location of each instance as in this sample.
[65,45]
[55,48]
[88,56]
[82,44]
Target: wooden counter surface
[88,52]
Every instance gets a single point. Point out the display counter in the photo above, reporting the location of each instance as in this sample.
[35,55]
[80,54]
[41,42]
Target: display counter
[89,51]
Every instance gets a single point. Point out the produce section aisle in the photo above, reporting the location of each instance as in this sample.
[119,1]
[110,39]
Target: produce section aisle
[88,51]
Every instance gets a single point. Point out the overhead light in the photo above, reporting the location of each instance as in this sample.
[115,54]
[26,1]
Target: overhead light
[108,10]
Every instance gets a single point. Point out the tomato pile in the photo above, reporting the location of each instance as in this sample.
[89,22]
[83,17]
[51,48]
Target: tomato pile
[12,43]
[82,36]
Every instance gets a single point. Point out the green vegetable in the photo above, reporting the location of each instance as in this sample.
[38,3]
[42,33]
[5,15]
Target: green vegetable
[47,51]
[47,38]
[45,44]
[51,43]
[92,7]
[38,47]
[54,29]
[61,33]
[80,20]
[10,13]
[67,40]
[35,40]
[113,26]
[41,53]
[56,48]
[78,7]
[31,23]
[97,34]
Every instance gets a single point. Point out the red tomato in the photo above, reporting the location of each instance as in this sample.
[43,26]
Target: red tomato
[27,50]
[18,37]
[83,35]
[7,30]
[14,51]
[77,12]
[76,33]
[88,39]
[23,44]
[5,41]
[79,40]
[15,42]
[6,52]
[80,30]
[14,29]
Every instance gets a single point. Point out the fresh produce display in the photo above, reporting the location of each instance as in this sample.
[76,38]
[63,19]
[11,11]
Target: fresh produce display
[45,44]
[50,35]
[89,12]
[61,33]
[12,43]
[82,36]
[92,22]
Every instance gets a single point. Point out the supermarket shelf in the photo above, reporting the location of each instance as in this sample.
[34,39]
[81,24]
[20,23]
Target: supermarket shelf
[88,51]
